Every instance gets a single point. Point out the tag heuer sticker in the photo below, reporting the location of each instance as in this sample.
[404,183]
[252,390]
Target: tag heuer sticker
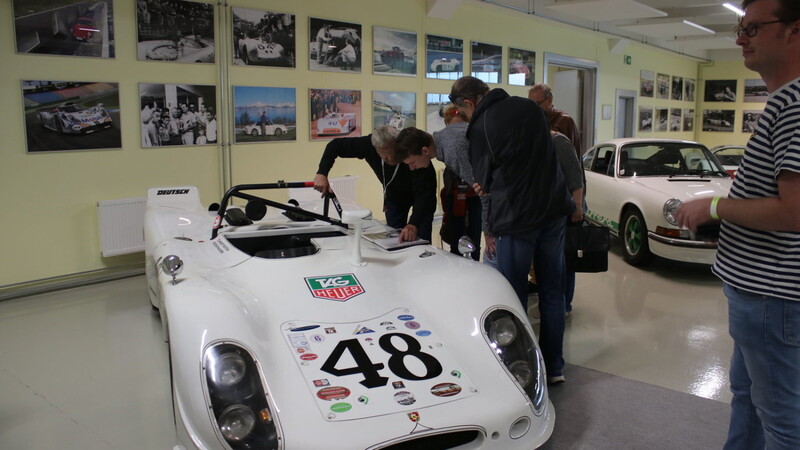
[335,287]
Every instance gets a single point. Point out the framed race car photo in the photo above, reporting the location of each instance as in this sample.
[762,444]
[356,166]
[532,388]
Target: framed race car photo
[334,113]
[396,109]
[444,57]
[175,31]
[487,62]
[65,28]
[521,67]
[334,46]
[264,114]
[71,115]
[178,114]
[394,52]
[434,110]
[262,38]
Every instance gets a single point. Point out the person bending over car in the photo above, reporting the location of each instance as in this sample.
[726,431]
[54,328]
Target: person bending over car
[404,190]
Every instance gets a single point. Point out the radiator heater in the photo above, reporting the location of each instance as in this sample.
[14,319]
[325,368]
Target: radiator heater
[121,225]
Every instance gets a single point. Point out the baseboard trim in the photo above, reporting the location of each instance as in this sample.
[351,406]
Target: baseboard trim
[45,285]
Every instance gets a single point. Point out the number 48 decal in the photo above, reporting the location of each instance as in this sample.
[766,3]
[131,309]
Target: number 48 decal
[370,370]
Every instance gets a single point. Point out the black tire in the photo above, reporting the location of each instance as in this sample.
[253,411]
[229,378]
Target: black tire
[254,132]
[635,245]
[456,68]
[278,131]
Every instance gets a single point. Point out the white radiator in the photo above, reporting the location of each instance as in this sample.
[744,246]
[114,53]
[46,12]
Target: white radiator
[121,225]
[343,187]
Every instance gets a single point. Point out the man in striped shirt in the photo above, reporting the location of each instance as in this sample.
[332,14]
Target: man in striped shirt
[759,247]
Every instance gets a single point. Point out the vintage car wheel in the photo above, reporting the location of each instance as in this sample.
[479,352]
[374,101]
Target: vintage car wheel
[278,131]
[254,132]
[634,238]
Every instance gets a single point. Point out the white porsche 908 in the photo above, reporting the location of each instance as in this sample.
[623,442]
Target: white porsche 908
[289,329]
[70,118]
[336,123]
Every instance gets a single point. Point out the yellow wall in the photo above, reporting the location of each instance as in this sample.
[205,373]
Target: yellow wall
[726,71]
[50,226]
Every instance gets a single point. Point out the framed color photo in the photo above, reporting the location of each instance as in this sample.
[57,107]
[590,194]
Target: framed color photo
[662,119]
[396,109]
[434,111]
[65,27]
[688,120]
[647,79]
[677,88]
[334,46]
[178,114]
[645,118]
[262,38]
[444,57]
[750,121]
[71,115]
[689,87]
[662,86]
[487,62]
[718,120]
[175,31]
[394,52]
[264,114]
[521,65]
[720,91]
[334,113]
[674,119]
[755,90]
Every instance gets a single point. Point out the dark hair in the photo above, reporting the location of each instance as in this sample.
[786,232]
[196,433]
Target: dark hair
[788,10]
[467,88]
[410,142]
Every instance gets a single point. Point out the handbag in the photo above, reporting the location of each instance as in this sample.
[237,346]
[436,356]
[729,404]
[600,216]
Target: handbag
[586,248]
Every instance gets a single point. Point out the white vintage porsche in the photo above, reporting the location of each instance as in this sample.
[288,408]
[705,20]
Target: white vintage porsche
[634,186]
[288,329]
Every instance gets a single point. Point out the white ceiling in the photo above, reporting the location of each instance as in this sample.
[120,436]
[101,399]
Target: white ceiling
[697,28]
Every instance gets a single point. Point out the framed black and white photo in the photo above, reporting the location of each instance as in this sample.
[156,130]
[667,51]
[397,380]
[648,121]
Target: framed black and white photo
[662,86]
[334,113]
[334,46]
[677,88]
[521,67]
[662,119]
[175,31]
[263,38]
[178,114]
[755,91]
[396,109]
[674,119]
[394,52]
[444,57]
[720,91]
[71,115]
[645,118]
[264,114]
[434,111]
[718,120]
[688,120]
[65,28]
[750,120]
[689,86]
[487,62]
[647,79]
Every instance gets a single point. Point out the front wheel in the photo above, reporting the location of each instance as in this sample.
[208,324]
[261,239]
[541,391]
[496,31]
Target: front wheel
[278,131]
[254,132]
[636,248]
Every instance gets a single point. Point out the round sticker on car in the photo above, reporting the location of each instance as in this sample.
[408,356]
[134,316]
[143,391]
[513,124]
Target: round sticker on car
[445,389]
[404,398]
[333,393]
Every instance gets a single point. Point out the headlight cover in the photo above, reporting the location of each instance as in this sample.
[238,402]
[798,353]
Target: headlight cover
[237,397]
[518,353]
[670,207]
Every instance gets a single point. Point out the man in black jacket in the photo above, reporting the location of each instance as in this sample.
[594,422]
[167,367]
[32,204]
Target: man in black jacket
[515,164]
[404,190]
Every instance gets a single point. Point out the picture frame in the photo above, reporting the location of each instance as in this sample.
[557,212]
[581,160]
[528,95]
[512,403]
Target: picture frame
[65,28]
[444,57]
[720,91]
[647,80]
[334,113]
[394,52]
[662,119]
[645,118]
[434,111]
[689,88]
[71,115]
[677,88]
[718,120]
[176,31]
[396,109]
[521,67]
[264,114]
[688,119]
[487,62]
[662,86]
[755,91]
[750,120]
[263,38]
[334,46]
[606,112]
[178,115]
[675,118]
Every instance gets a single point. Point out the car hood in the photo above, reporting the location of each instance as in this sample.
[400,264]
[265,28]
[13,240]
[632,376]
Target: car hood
[683,187]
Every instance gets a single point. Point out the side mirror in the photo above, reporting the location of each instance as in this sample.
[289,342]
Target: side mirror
[356,216]
[172,265]
[466,247]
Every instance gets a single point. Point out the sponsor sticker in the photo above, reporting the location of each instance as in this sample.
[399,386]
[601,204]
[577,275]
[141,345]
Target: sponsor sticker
[398,384]
[413,325]
[330,330]
[423,333]
[333,393]
[308,356]
[363,330]
[445,389]
[405,317]
[405,398]
[321,383]
[318,338]
[341,407]
[305,328]
[413,416]
[335,287]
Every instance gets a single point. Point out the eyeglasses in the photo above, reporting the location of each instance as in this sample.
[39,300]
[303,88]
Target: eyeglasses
[455,99]
[752,29]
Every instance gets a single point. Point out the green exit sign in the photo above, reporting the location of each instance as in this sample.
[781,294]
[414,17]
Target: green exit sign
[627,59]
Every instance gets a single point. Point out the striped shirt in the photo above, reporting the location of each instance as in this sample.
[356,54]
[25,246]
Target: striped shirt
[765,262]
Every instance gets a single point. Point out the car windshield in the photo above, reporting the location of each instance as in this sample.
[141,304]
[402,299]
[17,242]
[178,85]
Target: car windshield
[69,108]
[667,159]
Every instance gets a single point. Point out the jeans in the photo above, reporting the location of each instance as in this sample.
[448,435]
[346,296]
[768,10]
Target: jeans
[569,290]
[765,371]
[545,247]
[397,217]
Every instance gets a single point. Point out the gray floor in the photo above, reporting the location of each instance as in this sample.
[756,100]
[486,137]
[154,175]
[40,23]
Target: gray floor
[86,368]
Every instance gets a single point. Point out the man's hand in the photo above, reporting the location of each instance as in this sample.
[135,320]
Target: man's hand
[408,233]
[694,213]
[478,189]
[491,247]
[321,183]
[577,215]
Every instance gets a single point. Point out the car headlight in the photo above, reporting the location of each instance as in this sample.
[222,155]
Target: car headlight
[514,346]
[237,397]
[670,208]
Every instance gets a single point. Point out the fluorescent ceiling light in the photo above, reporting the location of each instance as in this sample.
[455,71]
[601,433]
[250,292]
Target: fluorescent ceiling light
[667,29]
[733,8]
[606,10]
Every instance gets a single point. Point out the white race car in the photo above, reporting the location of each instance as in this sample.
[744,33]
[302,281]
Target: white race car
[288,329]
[336,123]
[257,52]
[445,65]
[69,118]
[396,120]
[272,129]
[634,186]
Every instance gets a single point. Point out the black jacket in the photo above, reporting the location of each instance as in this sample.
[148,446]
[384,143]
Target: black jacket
[414,188]
[513,159]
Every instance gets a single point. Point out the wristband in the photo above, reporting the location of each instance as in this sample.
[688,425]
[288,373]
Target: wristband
[713,209]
